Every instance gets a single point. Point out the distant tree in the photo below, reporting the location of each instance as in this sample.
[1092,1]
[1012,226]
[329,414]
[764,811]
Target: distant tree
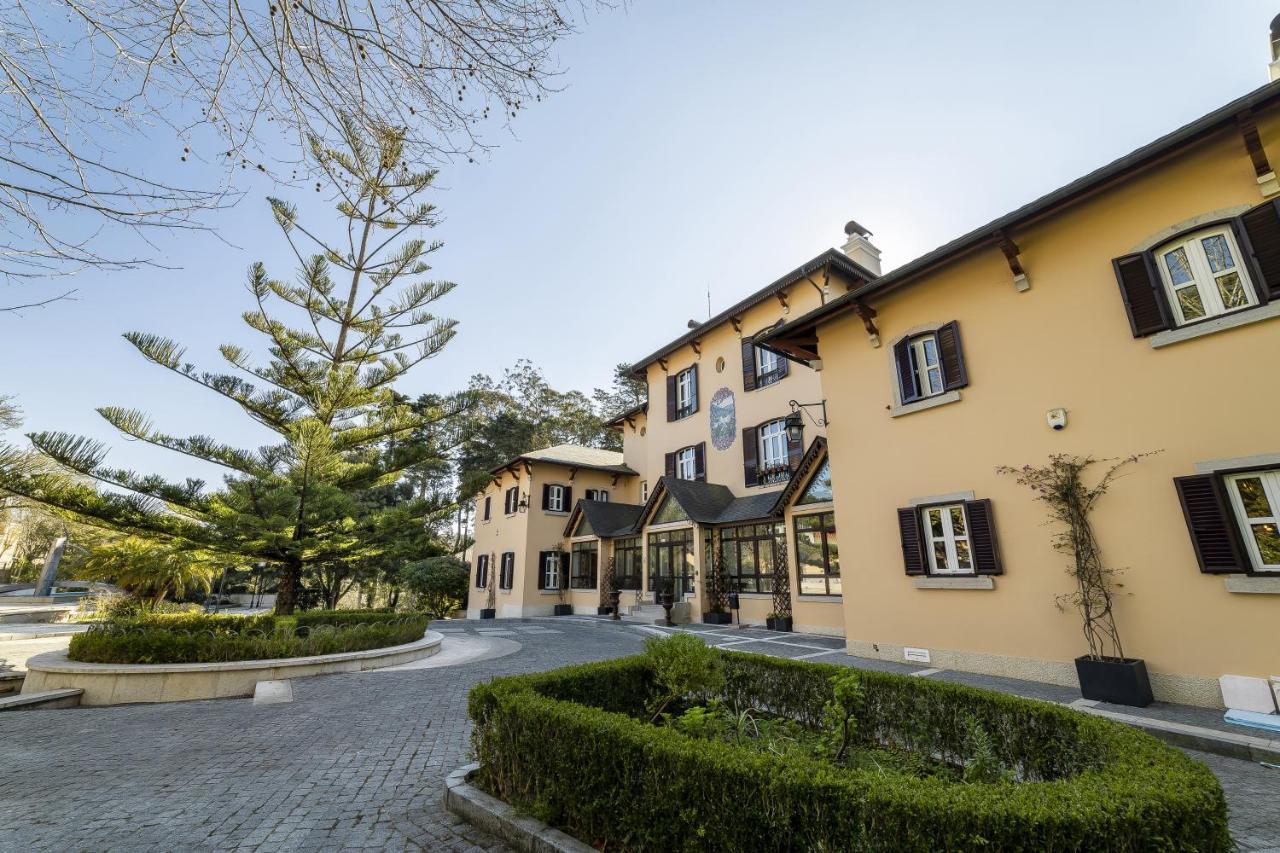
[625,393]
[440,584]
[326,391]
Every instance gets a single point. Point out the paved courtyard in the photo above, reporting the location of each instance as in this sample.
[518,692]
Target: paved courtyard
[356,761]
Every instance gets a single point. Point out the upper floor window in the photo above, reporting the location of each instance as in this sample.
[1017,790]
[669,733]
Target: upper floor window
[929,364]
[511,501]
[1255,497]
[1203,275]
[686,464]
[682,393]
[488,506]
[555,497]
[770,367]
[600,495]
[774,466]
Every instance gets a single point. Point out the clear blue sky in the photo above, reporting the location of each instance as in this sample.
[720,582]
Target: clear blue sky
[695,145]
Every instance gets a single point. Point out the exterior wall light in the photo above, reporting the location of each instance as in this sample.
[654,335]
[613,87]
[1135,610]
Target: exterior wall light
[795,422]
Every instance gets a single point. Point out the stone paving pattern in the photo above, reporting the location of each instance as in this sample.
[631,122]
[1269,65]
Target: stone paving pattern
[356,762]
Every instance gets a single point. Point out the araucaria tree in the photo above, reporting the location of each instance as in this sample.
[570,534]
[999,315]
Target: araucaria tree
[356,320]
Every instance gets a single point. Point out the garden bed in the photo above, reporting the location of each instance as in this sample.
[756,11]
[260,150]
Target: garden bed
[602,752]
[200,638]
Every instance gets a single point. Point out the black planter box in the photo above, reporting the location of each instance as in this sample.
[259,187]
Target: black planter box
[564,610]
[603,611]
[771,622]
[717,618]
[488,613]
[782,623]
[1121,681]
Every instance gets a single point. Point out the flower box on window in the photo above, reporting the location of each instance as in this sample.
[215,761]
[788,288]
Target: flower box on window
[768,475]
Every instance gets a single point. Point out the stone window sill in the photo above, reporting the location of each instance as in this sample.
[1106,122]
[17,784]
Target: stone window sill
[1218,324]
[1253,584]
[933,582]
[755,596]
[926,403]
[819,599]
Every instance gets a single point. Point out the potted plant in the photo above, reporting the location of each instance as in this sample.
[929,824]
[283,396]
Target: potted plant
[1106,674]
[489,611]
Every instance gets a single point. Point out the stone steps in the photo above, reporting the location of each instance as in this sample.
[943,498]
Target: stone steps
[67,697]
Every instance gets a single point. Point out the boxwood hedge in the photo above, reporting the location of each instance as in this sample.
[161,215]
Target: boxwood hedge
[570,747]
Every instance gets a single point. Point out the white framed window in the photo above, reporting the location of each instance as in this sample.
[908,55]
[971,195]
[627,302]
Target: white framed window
[686,464]
[555,498]
[601,495]
[1203,275]
[946,533]
[1255,497]
[511,501]
[767,366]
[686,392]
[926,365]
[773,444]
[644,491]
[551,570]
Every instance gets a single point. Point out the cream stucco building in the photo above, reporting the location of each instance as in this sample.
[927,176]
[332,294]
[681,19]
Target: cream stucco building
[1133,310]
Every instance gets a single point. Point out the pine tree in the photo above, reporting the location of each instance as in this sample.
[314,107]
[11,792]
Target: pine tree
[325,388]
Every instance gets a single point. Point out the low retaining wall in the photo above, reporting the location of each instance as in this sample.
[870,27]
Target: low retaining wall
[119,684]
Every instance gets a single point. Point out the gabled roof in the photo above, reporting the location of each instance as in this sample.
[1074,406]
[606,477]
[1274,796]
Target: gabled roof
[751,508]
[708,503]
[574,456]
[837,259]
[987,235]
[617,419]
[607,519]
[808,464]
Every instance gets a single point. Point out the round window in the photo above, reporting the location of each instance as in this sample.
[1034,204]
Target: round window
[720,364]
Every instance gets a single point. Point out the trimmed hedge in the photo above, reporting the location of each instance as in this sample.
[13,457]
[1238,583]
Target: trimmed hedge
[219,639]
[569,747]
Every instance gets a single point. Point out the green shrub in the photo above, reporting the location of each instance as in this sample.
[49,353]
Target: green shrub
[574,748]
[182,638]
[683,667]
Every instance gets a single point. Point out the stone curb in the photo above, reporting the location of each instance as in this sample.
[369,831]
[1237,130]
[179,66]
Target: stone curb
[1228,744]
[501,820]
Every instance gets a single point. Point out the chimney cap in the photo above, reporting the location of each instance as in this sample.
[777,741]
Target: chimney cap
[852,227]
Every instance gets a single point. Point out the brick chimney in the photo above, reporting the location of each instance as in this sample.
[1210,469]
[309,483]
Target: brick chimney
[859,249]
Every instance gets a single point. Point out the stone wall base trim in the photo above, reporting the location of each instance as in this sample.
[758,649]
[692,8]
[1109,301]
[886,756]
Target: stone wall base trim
[501,820]
[1167,687]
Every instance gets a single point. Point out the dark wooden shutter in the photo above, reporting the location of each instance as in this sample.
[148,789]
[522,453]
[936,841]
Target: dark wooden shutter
[750,442]
[748,365]
[1212,524]
[488,503]
[951,356]
[700,461]
[907,381]
[784,367]
[982,538]
[795,450]
[912,543]
[542,575]
[671,398]
[693,387]
[568,499]
[564,570]
[546,496]
[1259,229]
[669,467]
[480,567]
[1143,294]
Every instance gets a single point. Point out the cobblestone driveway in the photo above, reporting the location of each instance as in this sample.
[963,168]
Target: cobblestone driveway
[355,762]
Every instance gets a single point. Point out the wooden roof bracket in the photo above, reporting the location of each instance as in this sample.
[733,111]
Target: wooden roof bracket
[782,299]
[868,315]
[821,288]
[615,479]
[662,362]
[697,347]
[1268,184]
[528,468]
[1011,254]
[573,472]
[737,324]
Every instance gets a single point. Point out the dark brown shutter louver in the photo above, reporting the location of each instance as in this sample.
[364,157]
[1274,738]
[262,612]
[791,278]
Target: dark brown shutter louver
[951,355]
[1261,231]
[748,365]
[671,398]
[700,461]
[750,476]
[1211,524]
[912,544]
[564,570]
[669,465]
[1143,294]
[693,387]
[488,503]
[982,538]
[784,367]
[542,565]
[795,450]
[568,499]
[546,496]
[908,387]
